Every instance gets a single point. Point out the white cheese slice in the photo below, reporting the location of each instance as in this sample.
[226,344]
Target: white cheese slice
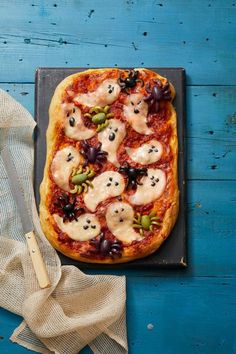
[75,128]
[111,138]
[107,184]
[105,94]
[62,165]
[147,153]
[136,111]
[119,218]
[85,228]
[153,185]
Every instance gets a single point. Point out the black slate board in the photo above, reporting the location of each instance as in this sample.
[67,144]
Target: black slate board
[172,253]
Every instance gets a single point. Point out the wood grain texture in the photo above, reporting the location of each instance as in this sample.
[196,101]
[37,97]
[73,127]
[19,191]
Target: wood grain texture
[125,33]
[191,311]
[184,316]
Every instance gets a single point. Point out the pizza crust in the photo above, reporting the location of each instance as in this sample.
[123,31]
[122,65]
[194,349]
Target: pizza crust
[47,220]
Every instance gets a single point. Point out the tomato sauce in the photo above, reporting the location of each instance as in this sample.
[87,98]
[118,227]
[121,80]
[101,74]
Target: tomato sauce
[162,132]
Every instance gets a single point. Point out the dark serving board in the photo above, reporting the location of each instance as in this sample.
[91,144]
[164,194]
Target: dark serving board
[172,253]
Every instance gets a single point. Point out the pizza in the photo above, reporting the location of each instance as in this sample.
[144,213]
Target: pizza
[110,190]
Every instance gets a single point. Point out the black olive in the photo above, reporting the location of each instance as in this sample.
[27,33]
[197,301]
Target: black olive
[112,136]
[92,154]
[153,184]
[105,247]
[68,208]
[85,227]
[69,157]
[72,121]
[93,226]
[130,82]
[113,250]
[136,111]
[132,172]
[116,246]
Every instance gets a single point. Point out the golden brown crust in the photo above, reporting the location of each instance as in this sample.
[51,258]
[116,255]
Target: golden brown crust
[47,221]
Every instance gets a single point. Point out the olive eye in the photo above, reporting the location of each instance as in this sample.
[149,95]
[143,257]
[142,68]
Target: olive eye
[68,114]
[116,130]
[139,102]
[132,103]
[73,110]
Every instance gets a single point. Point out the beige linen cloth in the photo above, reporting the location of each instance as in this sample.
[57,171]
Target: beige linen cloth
[77,309]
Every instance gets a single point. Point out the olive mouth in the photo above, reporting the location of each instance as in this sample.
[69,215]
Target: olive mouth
[112,136]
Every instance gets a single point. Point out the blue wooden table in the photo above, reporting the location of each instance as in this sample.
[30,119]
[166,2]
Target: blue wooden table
[190,311]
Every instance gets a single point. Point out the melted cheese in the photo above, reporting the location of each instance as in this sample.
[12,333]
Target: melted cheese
[111,138]
[107,184]
[105,94]
[119,218]
[147,153]
[153,185]
[77,130]
[85,228]
[62,164]
[136,111]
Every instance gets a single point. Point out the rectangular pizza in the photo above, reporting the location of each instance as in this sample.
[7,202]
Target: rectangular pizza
[110,189]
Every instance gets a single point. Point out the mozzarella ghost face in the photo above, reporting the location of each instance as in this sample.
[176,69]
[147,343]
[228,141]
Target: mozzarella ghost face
[111,138]
[85,228]
[119,218]
[107,184]
[62,165]
[75,128]
[136,111]
[153,185]
[105,94]
[147,153]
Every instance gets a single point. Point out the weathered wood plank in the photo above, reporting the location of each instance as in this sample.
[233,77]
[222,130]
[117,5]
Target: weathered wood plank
[211,128]
[184,316]
[126,33]
[211,132]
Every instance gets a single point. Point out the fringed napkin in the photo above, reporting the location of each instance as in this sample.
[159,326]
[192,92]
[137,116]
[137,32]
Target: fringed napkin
[77,309]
